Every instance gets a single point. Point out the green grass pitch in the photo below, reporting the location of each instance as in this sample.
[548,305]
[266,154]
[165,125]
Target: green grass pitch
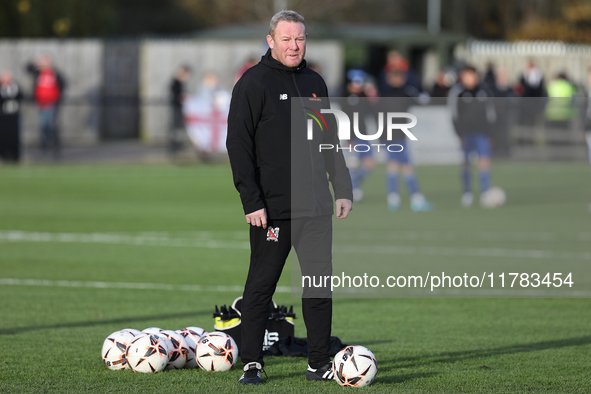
[64,230]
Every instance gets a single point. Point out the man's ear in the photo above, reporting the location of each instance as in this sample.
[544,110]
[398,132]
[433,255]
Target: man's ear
[270,41]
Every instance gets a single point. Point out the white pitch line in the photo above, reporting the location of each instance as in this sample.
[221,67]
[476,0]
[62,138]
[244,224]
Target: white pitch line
[127,285]
[472,252]
[106,238]
[487,236]
[285,289]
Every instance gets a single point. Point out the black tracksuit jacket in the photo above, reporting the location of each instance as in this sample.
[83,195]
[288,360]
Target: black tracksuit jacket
[261,141]
[473,110]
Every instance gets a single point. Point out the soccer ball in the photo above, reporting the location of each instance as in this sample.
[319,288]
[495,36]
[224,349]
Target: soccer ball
[148,353]
[177,358]
[218,333]
[168,344]
[194,330]
[114,349]
[133,331]
[191,336]
[355,366]
[191,345]
[493,198]
[216,352]
[152,330]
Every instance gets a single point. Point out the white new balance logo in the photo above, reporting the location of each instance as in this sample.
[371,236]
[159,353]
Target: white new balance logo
[283,97]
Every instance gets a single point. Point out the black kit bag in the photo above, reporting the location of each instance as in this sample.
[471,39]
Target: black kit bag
[280,324]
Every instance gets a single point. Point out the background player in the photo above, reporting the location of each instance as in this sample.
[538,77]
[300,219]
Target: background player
[473,113]
[398,86]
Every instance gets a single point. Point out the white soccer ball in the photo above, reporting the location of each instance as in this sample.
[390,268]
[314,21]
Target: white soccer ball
[152,330]
[148,353]
[216,352]
[191,346]
[194,330]
[133,331]
[493,198]
[177,358]
[191,336]
[218,333]
[355,366]
[114,349]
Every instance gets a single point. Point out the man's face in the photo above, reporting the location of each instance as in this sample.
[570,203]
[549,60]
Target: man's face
[396,79]
[5,77]
[469,79]
[44,63]
[288,43]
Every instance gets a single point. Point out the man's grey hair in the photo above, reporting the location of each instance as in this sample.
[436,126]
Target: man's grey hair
[285,15]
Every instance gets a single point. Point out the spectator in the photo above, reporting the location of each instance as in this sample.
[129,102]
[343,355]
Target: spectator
[48,88]
[10,97]
[560,108]
[501,86]
[531,83]
[505,103]
[490,76]
[177,95]
[251,61]
[442,85]
[206,114]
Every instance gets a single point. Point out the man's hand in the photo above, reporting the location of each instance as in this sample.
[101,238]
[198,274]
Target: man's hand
[343,207]
[258,218]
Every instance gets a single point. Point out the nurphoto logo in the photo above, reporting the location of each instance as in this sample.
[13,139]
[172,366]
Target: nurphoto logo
[393,122]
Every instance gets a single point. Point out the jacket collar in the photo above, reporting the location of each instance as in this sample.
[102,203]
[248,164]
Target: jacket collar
[269,61]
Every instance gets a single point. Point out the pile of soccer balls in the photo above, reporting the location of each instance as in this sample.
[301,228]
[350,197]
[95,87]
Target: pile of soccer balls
[155,350]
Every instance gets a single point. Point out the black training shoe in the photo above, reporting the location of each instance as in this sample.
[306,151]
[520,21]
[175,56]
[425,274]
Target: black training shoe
[322,373]
[252,374]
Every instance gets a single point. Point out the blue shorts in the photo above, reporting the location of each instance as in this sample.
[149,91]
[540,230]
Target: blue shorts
[401,157]
[479,143]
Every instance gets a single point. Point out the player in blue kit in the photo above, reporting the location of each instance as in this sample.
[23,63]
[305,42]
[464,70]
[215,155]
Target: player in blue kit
[398,86]
[366,106]
[356,100]
[473,113]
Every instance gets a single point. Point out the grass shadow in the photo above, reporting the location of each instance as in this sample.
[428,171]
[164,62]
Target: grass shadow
[101,322]
[452,357]
[402,378]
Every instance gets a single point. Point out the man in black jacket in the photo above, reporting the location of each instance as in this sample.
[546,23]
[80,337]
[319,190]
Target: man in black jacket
[177,96]
[10,102]
[287,203]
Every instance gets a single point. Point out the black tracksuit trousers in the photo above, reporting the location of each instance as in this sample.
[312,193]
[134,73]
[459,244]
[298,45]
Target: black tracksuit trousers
[312,241]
